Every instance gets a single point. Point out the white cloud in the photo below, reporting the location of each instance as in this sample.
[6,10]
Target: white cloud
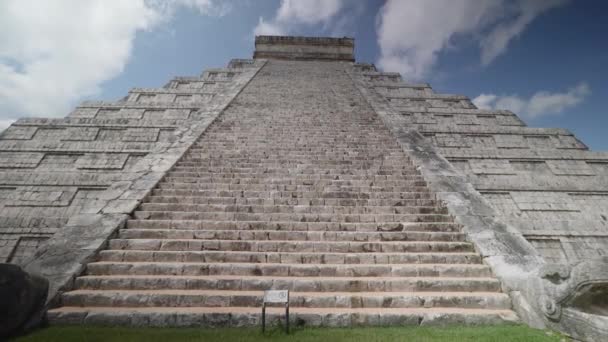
[294,14]
[265,28]
[52,53]
[485,101]
[412,33]
[540,104]
[167,8]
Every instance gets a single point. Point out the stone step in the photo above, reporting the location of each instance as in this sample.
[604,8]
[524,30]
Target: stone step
[210,298]
[305,284]
[346,170]
[311,165]
[177,185]
[342,194]
[289,246]
[257,136]
[288,270]
[299,164]
[261,152]
[300,141]
[293,201]
[306,209]
[226,146]
[290,257]
[346,146]
[238,130]
[270,177]
[411,181]
[269,235]
[245,316]
[262,155]
[295,226]
[258,133]
[251,172]
[287,217]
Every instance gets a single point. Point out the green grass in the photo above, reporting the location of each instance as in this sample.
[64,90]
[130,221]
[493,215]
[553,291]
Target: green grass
[450,334]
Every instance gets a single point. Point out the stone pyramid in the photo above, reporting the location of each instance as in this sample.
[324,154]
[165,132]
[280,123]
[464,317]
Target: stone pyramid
[374,201]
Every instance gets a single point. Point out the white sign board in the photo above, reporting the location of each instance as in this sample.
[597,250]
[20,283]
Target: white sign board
[276,296]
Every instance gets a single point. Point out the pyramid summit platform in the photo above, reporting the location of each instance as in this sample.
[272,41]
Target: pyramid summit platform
[373,200]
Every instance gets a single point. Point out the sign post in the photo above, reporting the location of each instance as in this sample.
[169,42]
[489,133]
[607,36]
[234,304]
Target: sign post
[276,297]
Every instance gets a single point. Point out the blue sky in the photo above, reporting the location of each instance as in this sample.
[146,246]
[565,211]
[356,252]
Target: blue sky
[545,60]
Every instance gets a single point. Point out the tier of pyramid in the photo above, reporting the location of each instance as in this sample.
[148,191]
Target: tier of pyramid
[297,185]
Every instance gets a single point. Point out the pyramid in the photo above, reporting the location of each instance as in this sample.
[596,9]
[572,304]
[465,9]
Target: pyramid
[372,200]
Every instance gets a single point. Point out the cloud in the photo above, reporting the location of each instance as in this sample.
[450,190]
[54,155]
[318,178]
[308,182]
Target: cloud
[411,34]
[541,103]
[293,15]
[265,28]
[167,8]
[53,53]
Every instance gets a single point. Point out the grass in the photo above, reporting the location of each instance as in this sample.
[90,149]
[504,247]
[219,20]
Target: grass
[512,333]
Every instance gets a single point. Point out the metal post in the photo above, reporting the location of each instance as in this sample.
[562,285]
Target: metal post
[287,317]
[263,317]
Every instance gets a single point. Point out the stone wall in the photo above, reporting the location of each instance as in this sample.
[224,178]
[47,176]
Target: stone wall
[543,181]
[67,184]
[304,48]
[524,196]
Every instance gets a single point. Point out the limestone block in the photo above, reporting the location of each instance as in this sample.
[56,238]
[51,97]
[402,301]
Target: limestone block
[81,133]
[491,167]
[570,167]
[43,196]
[146,98]
[509,120]
[540,141]
[141,134]
[120,113]
[24,247]
[569,142]
[185,98]
[423,118]
[20,159]
[510,141]
[190,85]
[167,114]
[84,112]
[50,133]
[480,140]
[550,201]
[449,140]
[108,113]
[102,161]
[18,133]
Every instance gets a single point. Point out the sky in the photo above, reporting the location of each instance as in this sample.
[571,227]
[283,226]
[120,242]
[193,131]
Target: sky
[546,60]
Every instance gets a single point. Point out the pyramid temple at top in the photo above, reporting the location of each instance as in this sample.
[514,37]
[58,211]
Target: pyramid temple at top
[373,200]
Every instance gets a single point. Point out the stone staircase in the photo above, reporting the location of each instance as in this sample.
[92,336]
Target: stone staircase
[298,185]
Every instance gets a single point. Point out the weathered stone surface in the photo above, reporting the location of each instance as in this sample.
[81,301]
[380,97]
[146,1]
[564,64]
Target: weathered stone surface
[297,185]
[506,243]
[304,48]
[22,299]
[91,169]
[311,173]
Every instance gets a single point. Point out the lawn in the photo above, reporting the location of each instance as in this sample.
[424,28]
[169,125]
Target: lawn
[451,334]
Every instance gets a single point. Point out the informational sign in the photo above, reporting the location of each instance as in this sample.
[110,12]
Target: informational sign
[276,296]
